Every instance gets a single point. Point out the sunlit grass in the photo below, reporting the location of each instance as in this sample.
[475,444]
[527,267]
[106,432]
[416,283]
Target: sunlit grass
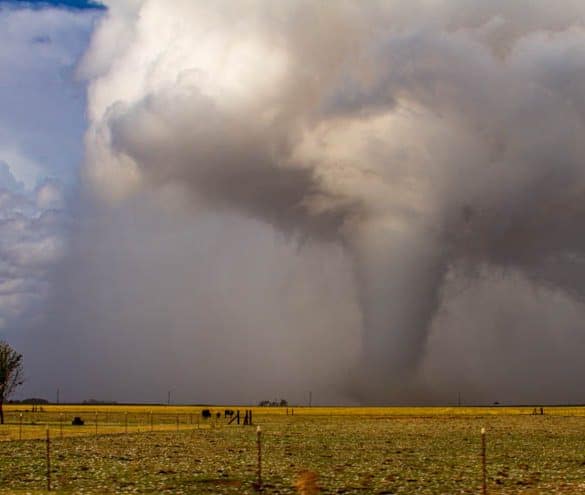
[326,411]
[24,423]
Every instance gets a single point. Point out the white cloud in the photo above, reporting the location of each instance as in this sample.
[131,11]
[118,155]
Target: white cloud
[50,195]
[32,240]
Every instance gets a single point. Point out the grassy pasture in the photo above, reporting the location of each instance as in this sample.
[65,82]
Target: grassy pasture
[335,450]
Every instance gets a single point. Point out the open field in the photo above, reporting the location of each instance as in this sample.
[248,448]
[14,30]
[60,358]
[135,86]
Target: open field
[339,450]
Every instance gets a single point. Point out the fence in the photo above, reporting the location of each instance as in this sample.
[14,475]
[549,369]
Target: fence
[30,425]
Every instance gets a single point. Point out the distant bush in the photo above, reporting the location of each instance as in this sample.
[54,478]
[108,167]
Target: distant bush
[273,403]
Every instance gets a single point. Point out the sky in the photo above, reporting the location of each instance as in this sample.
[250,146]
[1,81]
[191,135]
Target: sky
[41,146]
[62,4]
[245,200]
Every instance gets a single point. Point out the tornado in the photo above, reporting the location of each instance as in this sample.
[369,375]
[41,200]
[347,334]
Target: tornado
[418,139]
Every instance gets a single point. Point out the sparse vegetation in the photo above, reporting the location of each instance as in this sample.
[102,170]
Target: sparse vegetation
[319,450]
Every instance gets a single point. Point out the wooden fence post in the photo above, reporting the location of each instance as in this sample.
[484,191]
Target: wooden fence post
[259,445]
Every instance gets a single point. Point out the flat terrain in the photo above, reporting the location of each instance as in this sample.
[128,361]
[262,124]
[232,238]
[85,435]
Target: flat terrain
[318,450]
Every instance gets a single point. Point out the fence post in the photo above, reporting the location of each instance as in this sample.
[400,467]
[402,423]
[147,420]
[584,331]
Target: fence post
[48,460]
[259,445]
[483,463]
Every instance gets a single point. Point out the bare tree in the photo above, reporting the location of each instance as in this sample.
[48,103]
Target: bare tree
[11,375]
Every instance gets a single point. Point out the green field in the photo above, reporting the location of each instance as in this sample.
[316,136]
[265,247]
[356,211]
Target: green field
[318,450]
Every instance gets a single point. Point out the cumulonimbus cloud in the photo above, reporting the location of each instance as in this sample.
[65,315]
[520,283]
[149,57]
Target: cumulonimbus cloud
[428,140]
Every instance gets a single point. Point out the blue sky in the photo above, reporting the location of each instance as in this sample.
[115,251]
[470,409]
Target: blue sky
[42,124]
[42,99]
[73,4]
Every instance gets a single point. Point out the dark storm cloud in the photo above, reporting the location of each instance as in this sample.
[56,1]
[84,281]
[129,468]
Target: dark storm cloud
[250,173]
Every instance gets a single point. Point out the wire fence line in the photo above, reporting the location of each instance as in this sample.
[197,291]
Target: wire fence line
[31,425]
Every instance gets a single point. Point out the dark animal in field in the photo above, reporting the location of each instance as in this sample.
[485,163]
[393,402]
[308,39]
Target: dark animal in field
[206,413]
[228,413]
[218,415]
[77,421]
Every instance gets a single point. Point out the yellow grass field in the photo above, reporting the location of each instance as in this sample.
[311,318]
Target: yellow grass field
[24,423]
[316,410]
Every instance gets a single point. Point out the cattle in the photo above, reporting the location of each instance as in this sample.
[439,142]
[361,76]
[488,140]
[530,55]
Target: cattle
[206,413]
[228,413]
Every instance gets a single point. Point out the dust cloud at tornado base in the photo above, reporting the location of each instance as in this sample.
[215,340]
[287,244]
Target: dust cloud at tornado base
[373,202]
